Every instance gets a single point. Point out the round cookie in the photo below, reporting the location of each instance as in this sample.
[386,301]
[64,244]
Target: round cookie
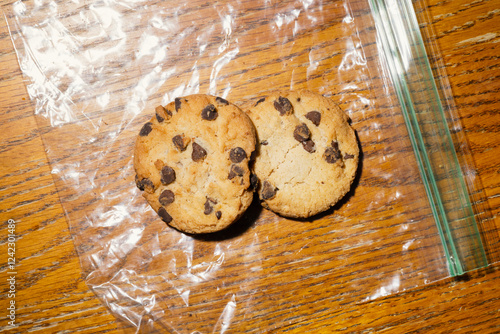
[192,163]
[308,153]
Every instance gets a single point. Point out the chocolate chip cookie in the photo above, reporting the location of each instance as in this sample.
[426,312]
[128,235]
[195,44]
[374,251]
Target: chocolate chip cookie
[308,152]
[192,163]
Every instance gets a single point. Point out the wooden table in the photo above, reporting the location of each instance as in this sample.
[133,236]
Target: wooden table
[51,294]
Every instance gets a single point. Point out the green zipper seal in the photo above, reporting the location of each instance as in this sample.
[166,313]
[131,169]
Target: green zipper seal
[404,52]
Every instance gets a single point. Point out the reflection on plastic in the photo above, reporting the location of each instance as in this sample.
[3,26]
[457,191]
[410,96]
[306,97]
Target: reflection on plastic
[225,318]
[387,289]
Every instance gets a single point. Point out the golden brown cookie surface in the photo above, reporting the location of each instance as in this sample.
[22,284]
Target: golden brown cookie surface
[308,152]
[191,161]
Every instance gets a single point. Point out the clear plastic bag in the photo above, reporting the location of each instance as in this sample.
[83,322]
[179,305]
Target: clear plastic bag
[96,70]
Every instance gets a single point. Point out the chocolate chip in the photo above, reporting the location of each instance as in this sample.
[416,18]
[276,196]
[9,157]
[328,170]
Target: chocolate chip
[332,153]
[218,214]
[268,191]
[235,171]
[166,197]
[237,154]
[220,100]
[178,102]
[164,215]
[167,175]
[148,185]
[301,133]
[298,99]
[199,153]
[283,105]
[314,117]
[309,146]
[209,113]
[208,208]
[144,183]
[348,156]
[138,183]
[146,129]
[260,101]
[264,142]
[254,181]
[161,113]
[209,205]
[180,142]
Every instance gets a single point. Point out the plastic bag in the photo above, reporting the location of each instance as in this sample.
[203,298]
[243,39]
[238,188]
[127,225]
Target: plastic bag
[96,70]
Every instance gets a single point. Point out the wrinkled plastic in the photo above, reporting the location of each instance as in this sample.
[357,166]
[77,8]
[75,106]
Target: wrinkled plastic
[96,70]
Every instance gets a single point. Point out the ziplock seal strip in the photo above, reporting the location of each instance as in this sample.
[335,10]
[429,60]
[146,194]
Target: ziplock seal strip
[408,70]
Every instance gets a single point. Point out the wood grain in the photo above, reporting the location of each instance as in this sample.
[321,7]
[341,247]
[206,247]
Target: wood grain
[300,288]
